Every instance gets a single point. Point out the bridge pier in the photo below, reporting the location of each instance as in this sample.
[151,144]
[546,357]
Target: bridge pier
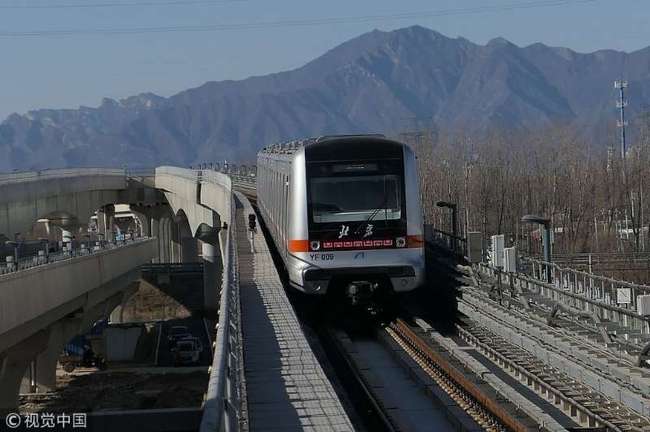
[14,363]
[175,242]
[155,232]
[60,334]
[212,269]
[145,222]
[41,370]
[165,240]
[105,221]
[189,250]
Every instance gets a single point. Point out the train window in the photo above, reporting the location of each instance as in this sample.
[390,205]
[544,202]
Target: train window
[356,198]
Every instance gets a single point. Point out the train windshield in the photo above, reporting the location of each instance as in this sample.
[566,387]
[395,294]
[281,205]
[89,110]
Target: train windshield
[356,198]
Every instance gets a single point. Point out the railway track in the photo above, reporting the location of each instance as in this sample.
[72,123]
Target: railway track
[568,366]
[368,406]
[472,402]
[475,396]
[483,397]
[594,396]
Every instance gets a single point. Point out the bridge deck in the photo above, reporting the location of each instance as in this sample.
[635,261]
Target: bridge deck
[286,387]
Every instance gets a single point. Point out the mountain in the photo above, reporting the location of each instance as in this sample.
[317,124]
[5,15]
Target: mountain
[373,83]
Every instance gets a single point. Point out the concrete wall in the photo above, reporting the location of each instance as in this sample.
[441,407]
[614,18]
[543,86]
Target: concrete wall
[216,193]
[37,292]
[181,188]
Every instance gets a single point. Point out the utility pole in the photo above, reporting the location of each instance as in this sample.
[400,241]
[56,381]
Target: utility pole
[621,103]
[621,85]
[636,199]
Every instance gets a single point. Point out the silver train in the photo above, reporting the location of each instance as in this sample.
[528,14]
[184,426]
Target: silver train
[344,213]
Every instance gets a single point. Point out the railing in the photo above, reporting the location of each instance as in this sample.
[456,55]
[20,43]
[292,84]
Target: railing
[222,408]
[249,180]
[23,176]
[24,263]
[599,257]
[194,267]
[140,172]
[595,287]
[579,290]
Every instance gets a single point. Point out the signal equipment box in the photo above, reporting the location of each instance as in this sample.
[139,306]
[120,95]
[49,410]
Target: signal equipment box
[496,254]
[510,260]
[643,304]
[474,247]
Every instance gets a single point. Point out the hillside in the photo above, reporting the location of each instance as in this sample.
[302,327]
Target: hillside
[373,83]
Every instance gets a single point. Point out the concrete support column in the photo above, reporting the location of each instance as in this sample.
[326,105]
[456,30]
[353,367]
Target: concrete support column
[168,240]
[164,240]
[155,232]
[110,226]
[212,270]
[60,334]
[66,236]
[189,250]
[144,222]
[175,243]
[105,221]
[13,365]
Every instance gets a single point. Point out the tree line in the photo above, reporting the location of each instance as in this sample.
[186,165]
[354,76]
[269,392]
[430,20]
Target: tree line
[596,199]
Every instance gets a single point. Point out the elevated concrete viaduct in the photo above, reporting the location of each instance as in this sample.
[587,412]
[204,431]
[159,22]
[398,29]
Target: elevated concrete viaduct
[204,200]
[42,308]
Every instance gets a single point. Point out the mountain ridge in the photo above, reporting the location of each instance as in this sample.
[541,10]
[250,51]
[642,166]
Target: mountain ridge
[375,82]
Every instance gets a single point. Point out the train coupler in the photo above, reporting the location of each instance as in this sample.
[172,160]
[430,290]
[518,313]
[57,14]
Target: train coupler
[361,292]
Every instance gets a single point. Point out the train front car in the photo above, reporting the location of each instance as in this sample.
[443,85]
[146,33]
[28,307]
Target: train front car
[361,232]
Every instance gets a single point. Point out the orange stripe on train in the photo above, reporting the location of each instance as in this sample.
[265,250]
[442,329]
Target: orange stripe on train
[414,241]
[298,245]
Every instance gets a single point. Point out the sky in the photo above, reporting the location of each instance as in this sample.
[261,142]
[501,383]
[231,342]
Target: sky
[67,53]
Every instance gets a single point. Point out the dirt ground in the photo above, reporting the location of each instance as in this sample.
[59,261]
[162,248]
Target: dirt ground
[86,390]
[136,384]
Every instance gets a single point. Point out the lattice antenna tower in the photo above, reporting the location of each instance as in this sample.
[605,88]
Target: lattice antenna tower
[621,103]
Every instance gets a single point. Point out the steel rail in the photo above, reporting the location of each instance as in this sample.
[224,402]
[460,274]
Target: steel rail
[472,338]
[478,403]
[498,348]
[329,336]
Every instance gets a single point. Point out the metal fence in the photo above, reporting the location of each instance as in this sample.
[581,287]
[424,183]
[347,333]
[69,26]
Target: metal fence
[581,291]
[249,180]
[222,406]
[187,267]
[595,287]
[11,265]
[17,177]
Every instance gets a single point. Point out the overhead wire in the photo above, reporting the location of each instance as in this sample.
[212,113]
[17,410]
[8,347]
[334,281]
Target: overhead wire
[296,22]
[111,4]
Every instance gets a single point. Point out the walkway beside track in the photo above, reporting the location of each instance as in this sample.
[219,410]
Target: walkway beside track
[286,387]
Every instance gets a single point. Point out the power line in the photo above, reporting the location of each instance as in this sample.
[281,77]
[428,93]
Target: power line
[296,22]
[119,4]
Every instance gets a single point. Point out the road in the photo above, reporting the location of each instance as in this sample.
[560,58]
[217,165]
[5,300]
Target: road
[197,328]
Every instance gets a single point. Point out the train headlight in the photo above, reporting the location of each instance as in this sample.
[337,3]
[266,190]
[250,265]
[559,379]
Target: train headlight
[315,245]
[400,242]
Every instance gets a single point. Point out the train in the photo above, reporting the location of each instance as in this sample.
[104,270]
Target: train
[345,214]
